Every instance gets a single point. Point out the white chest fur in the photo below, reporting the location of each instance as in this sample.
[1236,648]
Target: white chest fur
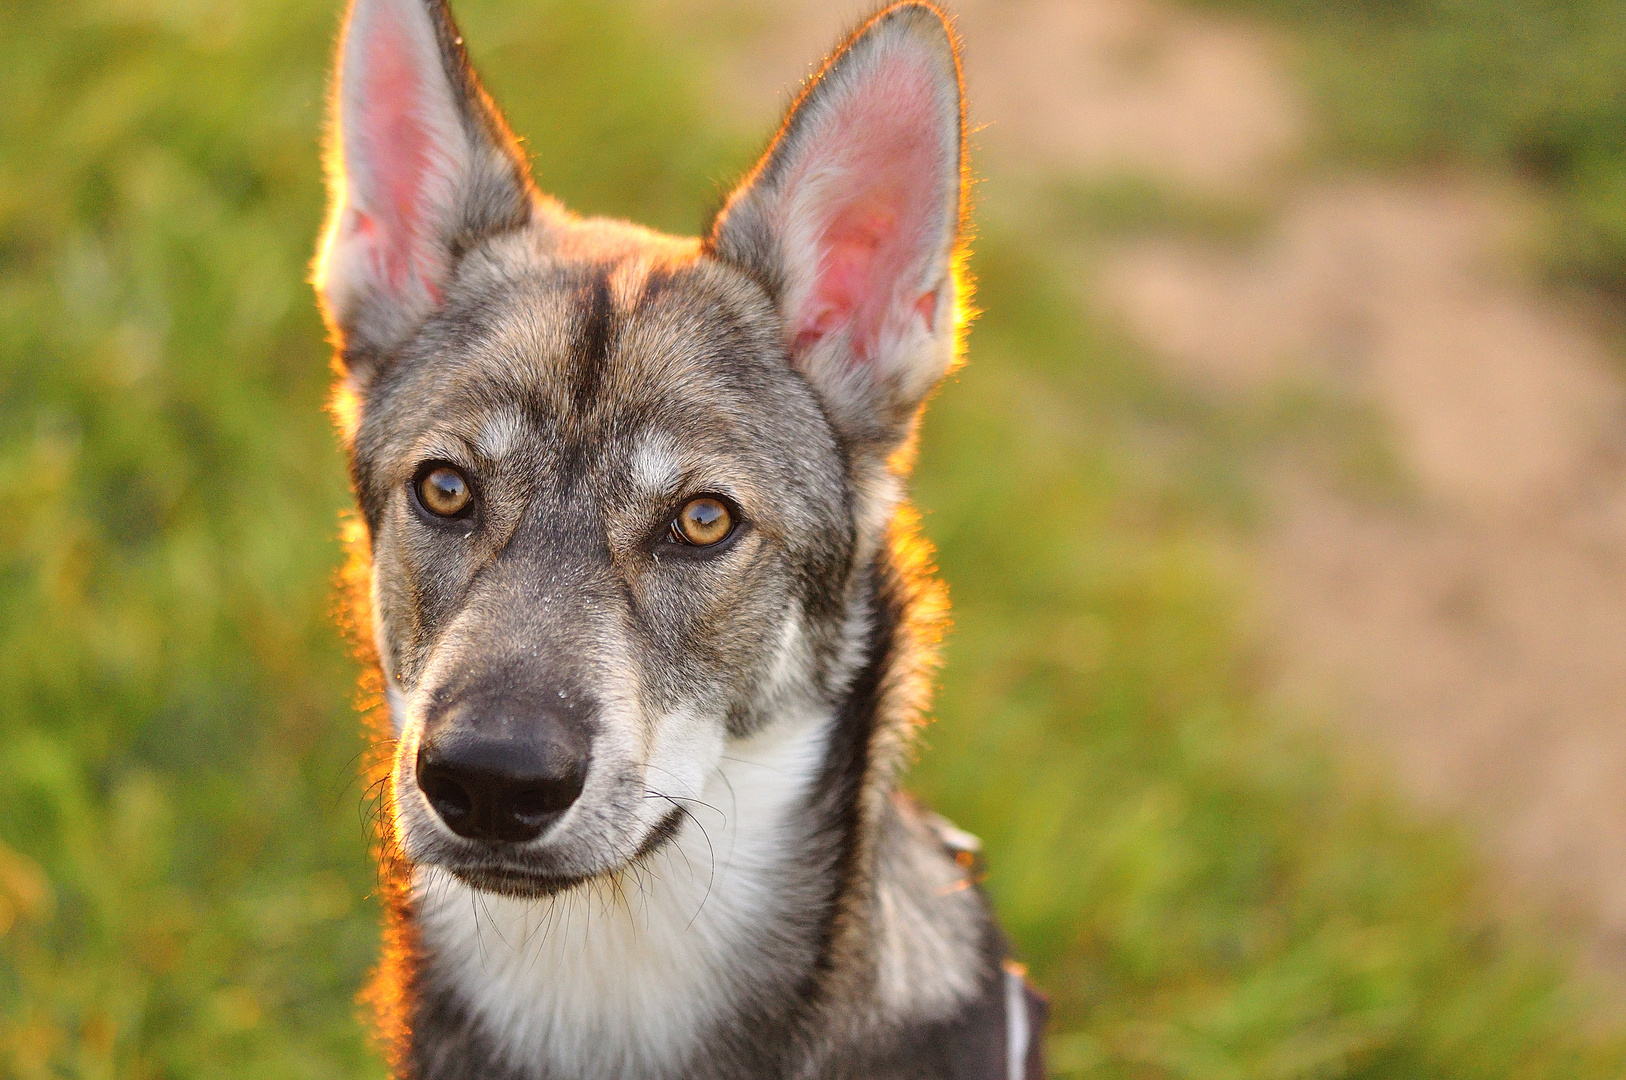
[621,977]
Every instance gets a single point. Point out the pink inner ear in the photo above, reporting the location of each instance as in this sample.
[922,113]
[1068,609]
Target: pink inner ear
[396,151]
[879,161]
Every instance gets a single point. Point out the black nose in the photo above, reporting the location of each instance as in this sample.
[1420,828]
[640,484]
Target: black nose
[496,788]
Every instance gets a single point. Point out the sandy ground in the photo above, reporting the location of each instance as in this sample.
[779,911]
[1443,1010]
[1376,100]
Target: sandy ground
[1472,636]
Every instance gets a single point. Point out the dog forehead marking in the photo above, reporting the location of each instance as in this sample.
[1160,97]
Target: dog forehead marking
[656,466]
[500,430]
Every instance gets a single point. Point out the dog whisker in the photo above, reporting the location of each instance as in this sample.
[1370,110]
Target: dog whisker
[712,878]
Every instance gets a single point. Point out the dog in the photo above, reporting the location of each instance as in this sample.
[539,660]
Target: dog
[652,620]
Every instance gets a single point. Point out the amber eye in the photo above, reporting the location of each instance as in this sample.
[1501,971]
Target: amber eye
[703,522]
[443,491]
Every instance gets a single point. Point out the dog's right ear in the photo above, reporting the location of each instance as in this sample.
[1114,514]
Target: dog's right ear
[420,166]
[851,221]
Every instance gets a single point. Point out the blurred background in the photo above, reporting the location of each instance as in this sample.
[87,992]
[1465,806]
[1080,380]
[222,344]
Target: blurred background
[1283,504]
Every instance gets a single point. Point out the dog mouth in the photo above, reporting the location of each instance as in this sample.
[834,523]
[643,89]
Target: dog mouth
[514,882]
[503,874]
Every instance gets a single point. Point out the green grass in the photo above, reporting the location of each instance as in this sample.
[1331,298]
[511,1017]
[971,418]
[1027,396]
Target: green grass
[1122,204]
[184,889]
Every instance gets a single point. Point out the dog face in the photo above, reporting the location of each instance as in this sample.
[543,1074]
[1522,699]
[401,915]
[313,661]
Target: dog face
[620,488]
[597,554]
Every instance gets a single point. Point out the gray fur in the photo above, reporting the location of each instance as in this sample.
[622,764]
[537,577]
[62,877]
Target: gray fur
[588,377]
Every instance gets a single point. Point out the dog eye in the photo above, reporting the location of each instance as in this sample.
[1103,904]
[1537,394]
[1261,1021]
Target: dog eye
[444,491]
[702,522]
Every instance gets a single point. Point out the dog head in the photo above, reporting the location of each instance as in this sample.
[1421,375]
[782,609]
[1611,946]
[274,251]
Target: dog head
[621,488]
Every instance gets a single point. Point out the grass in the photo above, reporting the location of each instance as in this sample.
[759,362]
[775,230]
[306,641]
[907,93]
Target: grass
[1124,204]
[184,890]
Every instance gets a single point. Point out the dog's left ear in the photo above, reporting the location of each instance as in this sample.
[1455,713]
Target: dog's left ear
[852,221]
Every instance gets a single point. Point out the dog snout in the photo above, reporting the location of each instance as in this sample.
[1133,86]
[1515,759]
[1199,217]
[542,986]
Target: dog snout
[501,781]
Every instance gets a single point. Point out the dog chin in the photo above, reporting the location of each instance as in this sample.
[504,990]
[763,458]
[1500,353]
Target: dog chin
[538,883]
[513,883]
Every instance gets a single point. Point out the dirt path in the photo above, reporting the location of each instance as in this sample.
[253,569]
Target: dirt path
[1475,637]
